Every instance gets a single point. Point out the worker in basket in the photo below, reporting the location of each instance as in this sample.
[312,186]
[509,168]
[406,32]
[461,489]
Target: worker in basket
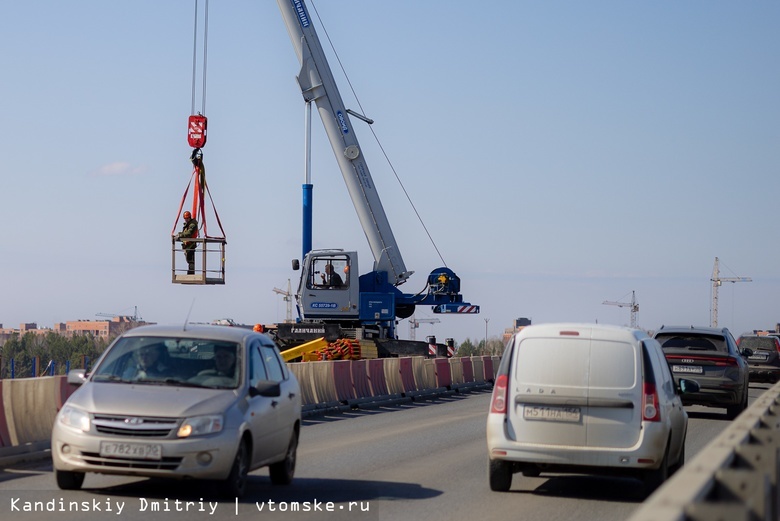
[189,230]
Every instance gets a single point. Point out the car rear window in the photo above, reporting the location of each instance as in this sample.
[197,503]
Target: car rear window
[693,342]
[764,343]
[576,363]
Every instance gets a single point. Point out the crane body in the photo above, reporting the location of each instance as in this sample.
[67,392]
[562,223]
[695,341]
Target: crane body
[370,302]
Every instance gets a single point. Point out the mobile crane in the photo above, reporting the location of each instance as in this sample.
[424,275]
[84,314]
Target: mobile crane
[368,303]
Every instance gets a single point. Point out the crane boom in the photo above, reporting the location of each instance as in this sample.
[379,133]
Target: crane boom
[318,84]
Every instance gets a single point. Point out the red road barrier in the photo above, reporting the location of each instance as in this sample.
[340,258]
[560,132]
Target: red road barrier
[342,376]
[468,370]
[5,436]
[488,362]
[443,372]
[360,380]
[376,375]
[407,374]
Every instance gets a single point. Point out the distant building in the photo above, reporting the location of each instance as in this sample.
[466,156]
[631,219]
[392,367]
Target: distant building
[520,323]
[98,328]
[101,328]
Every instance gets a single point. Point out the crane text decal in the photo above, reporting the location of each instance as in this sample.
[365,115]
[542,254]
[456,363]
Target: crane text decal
[301,12]
[342,122]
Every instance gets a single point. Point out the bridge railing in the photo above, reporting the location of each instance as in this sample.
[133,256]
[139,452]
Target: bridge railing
[734,478]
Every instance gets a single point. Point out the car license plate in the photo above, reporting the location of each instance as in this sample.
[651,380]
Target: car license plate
[131,450]
[695,369]
[759,357]
[561,414]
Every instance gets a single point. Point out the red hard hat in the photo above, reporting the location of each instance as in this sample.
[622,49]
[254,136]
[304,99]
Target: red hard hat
[187,215]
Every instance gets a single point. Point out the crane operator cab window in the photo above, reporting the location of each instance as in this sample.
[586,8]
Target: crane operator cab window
[330,273]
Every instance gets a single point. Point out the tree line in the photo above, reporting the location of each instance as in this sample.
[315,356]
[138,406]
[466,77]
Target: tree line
[51,348]
[493,347]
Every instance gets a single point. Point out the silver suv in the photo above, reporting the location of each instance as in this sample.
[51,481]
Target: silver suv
[204,402]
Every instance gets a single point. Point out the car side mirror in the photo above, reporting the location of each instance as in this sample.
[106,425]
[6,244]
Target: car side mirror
[266,388]
[689,386]
[746,352]
[77,376]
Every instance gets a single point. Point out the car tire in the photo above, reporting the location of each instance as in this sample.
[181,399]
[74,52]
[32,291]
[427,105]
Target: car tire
[732,411]
[500,475]
[235,484]
[282,472]
[68,480]
[654,478]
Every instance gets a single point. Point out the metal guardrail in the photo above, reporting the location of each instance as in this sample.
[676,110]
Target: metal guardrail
[734,478]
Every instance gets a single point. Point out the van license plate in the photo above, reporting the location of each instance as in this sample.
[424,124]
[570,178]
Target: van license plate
[695,369]
[561,414]
[131,450]
[759,357]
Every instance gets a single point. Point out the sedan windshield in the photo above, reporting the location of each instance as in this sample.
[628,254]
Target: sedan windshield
[171,361]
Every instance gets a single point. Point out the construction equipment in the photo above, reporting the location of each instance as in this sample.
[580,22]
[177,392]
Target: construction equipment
[350,304]
[287,297]
[414,323]
[717,281]
[633,306]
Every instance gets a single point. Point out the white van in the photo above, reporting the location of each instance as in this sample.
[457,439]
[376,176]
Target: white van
[585,398]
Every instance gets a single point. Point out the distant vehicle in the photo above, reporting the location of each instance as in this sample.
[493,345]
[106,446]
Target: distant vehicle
[589,399]
[764,363]
[711,357]
[203,402]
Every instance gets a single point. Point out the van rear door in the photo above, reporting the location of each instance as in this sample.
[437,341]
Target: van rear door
[575,390]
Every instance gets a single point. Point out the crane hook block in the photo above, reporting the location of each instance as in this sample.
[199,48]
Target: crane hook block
[196,133]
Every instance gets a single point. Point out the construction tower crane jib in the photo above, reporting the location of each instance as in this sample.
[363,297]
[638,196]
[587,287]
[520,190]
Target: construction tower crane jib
[318,85]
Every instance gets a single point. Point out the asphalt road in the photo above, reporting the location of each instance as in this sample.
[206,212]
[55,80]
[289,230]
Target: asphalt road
[417,461]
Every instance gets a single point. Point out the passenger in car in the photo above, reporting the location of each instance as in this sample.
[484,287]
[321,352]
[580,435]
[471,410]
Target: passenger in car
[224,362]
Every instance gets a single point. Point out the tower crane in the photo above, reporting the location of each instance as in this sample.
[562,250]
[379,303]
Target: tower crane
[414,323]
[135,317]
[717,281]
[633,306]
[287,297]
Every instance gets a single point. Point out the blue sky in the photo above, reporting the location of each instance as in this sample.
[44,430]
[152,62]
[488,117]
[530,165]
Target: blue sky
[560,154]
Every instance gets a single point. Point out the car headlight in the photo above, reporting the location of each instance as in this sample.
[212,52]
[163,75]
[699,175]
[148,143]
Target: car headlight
[200,425]
[74,418]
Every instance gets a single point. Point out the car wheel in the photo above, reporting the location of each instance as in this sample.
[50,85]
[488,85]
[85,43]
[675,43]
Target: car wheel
[235,484]
[732,411]
[654,478]
[500,475]
[282,472]
[67,480]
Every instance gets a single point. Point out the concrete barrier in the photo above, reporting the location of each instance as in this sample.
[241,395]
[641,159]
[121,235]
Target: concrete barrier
[28,406]
[735,477]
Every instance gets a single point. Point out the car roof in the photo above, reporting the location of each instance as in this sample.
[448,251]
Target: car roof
[226,333]
[692,329]
[597,330]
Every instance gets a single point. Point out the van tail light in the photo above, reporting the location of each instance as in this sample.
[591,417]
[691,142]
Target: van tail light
[498,402]
[650,411]
[777,346]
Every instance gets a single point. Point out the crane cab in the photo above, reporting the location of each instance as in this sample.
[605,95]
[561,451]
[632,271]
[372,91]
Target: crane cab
[209,265]
[329,287]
